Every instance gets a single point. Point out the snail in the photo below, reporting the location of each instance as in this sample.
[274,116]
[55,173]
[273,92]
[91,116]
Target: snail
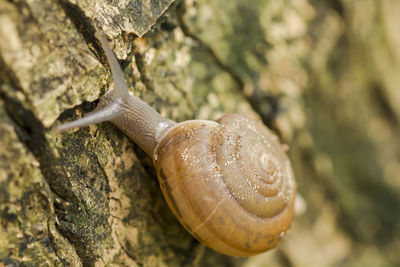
[229,182]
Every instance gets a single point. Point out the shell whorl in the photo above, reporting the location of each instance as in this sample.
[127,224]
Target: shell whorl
[229,183]
[247,150]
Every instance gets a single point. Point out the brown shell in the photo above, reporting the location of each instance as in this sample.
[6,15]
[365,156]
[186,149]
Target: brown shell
[229,183]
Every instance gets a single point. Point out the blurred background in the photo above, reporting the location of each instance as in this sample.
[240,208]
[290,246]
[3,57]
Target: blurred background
[346,149]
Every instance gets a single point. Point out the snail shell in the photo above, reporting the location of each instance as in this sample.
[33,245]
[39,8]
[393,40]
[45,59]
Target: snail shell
[229,183]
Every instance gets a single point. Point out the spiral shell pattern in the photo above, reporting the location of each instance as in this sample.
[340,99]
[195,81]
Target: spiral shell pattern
[229,183]
[250,152]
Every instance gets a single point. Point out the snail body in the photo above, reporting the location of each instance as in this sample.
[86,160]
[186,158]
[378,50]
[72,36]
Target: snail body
[229,182]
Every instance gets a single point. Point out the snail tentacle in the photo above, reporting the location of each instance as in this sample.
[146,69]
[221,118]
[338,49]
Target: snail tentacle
[133,116]
[121,88]
[105,114]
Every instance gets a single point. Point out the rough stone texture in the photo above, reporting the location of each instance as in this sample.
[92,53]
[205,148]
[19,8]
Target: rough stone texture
[323,74]
[135,16]
[46,64]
